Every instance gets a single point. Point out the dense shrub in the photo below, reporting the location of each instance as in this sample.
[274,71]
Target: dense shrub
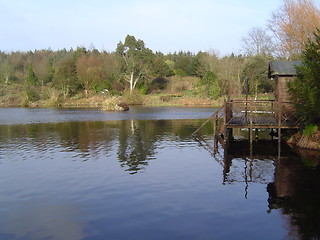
[309,130]
[132,98]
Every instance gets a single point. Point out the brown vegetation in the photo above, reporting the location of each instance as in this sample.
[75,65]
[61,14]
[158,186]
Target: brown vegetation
[306,142]
[293,24]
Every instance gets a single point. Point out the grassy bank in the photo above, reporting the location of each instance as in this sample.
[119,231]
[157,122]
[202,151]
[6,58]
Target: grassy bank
[178,91]
[163,100]
[309,138]
[16,95]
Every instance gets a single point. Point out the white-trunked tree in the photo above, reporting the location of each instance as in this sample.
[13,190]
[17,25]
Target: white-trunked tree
[134,60]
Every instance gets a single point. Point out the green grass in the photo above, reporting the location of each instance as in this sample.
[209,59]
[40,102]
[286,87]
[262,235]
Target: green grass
[309,130]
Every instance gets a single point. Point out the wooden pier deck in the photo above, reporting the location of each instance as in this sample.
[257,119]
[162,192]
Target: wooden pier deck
[254,114]
[259,114]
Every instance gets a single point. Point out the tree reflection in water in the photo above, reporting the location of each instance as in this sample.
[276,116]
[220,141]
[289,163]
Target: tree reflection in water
[296,193]
[292,180]
[136,147]
[138,140]
[135,141]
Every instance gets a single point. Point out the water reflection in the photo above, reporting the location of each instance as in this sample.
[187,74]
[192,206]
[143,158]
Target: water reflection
[291,176]
[135,141]
[243,163]
[295,191]
[95,175]
[136,147]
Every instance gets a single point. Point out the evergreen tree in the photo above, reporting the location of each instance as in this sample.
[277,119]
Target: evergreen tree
[65,76]
[305,89]
[208,86]
[30,76]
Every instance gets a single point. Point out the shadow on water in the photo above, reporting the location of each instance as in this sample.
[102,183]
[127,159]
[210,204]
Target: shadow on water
[295,191]
[292,177]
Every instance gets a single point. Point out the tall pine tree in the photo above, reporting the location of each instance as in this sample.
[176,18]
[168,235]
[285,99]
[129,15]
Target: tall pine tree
[305,89]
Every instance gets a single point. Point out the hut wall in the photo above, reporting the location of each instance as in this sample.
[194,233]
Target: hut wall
[282,94]
[281,89]
[276,88]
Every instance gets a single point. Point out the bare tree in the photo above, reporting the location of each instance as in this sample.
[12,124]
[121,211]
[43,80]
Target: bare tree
[5,68]
[89,71]
[229,74]
[293,24]
[258,42]
[208,61]
[42,67]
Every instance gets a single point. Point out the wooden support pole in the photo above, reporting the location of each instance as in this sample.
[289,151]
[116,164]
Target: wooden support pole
[225,120]
[215,125]
[250,128]
[225,112]
[279,121]
[279,150]
[230,134]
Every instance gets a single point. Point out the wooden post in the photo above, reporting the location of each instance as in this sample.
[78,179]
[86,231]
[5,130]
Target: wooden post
[230,134]
[279,121]
[214,125]
[250,128]
[215,137]
[279,151]
[230,115]
[271,133]
[225,121]
[216,122]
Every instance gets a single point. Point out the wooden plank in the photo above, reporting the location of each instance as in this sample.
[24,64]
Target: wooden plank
[215,115]
[261,114]
[262,126]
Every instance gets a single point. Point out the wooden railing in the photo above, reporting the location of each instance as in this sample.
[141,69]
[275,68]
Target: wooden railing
[260,113]
[253,114]
[215,116]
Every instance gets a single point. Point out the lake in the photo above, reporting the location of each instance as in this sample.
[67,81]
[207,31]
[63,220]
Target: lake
[87,174]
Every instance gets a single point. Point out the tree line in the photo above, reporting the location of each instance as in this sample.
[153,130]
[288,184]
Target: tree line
[133,66]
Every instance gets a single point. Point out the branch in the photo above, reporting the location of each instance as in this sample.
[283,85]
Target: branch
[127,77]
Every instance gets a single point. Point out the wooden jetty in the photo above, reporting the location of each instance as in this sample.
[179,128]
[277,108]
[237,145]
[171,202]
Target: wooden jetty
[253,114]
[256,114]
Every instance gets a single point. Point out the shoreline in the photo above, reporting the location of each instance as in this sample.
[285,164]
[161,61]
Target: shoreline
[99,105]
[304,142]
[297,140]
[98,101]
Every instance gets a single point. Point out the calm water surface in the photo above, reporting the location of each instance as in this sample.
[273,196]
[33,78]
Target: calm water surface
[87,174]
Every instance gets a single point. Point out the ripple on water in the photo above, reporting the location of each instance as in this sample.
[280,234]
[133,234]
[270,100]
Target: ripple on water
[127,179]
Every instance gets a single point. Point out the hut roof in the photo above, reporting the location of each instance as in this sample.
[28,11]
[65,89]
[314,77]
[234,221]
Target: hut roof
[283,68]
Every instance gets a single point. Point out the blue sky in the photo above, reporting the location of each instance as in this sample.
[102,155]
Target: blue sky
[164,25]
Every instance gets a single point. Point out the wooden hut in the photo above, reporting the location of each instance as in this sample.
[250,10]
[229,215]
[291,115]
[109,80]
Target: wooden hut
[261,114]
[282,72]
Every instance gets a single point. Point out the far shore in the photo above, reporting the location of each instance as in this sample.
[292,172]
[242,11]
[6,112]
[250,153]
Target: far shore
[96,101]
[170,100]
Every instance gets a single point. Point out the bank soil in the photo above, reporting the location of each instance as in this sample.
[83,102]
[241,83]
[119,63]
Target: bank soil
[306,142]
